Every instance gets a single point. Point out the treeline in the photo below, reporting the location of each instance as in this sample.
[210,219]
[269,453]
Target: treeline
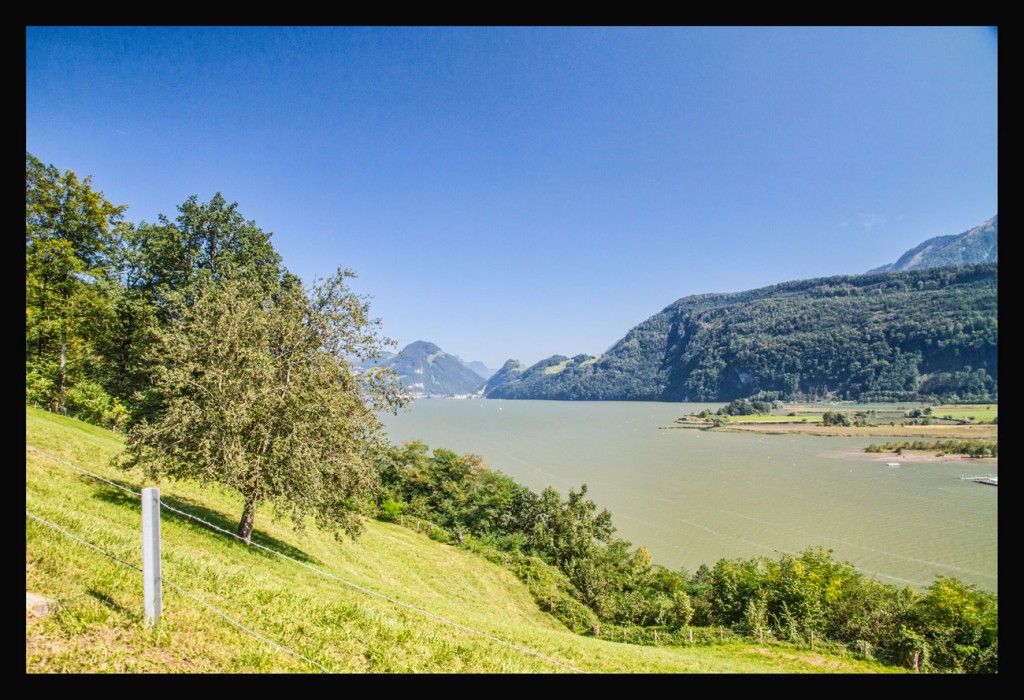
[103,294]
[971,448]
[224,366]
[921,335]
[567,552]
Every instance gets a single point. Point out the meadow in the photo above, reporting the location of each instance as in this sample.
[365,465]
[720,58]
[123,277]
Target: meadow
[392,601]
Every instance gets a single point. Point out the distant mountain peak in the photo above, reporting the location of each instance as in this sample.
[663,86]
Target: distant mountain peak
[421,346]
[480,368]
[978,245]
[426,370]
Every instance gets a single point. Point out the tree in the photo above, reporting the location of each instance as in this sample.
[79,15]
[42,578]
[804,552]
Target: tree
[835,418]
[160,269]
[71,234]
[207,241]
[961,626]
[261,396]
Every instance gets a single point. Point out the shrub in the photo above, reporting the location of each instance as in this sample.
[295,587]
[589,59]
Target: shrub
[90,402]
[391,510]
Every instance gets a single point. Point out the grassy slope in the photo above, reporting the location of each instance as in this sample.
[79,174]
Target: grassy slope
[98,625]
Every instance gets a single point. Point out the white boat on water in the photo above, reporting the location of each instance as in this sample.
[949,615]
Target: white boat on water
[892,464]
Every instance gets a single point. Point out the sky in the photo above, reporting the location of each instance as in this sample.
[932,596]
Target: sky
[521,192]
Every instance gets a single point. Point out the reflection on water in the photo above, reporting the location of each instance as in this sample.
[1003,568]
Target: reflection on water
[694,497]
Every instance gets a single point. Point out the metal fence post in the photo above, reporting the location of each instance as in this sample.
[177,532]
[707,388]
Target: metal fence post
[151,554]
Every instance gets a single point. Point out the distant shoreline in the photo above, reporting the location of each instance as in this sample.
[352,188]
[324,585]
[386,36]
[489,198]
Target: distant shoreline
[919,456]
[908,457]
[938,432]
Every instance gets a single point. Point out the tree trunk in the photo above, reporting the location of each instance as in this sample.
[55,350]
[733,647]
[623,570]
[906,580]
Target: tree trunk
[63,364]
[248,516]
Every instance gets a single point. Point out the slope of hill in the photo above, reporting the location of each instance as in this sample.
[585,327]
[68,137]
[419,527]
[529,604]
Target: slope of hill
[426,370]
[979,245]
[551,377]
[509,371]
[393,601]
[884,336]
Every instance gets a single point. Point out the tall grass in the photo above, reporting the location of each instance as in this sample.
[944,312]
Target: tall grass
[97,625]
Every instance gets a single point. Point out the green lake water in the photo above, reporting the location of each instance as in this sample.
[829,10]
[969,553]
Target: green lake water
[694,497]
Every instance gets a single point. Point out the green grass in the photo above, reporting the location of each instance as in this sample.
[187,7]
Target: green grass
[555,369]
[802,418]
[98,624]
[981,413]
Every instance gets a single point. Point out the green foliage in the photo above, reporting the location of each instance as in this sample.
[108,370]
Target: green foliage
[550,588]
[39,388]
[952,628]
[461,495]
[453,490]
[193,328]
[960,625]
[971,448]
[391,510]
[922,334]
[835,418]
[805,598]
[742,407]
[72,235]
[206,243]
[261,398]
[90,403]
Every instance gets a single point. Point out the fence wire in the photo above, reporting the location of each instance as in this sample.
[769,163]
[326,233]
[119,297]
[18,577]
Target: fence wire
[179,589]
[326,574]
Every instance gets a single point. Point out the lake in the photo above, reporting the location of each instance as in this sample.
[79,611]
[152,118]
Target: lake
[693,497]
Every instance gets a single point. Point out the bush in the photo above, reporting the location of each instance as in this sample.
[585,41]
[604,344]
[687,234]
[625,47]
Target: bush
[438,534]
[835,418]
[38,389]
[90,402]
[391,510]
[118,415]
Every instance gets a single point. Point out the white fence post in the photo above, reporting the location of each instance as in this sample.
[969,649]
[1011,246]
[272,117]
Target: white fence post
[151,554]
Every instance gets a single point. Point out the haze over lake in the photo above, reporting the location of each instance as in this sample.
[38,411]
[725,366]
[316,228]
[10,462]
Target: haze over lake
[693,497]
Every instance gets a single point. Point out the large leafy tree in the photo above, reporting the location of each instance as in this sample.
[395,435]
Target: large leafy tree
[206,242]
[161,270]
[261,396]
[72,236]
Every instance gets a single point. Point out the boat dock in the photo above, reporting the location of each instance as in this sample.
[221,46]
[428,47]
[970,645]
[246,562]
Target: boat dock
[987,479]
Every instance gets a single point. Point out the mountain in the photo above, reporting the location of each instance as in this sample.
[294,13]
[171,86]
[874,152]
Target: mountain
[509,372]
[479,367]
[426,370]
[545,376]
[897,336]
[979,245]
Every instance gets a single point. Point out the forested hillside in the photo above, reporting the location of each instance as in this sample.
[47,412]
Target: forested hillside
[929,333]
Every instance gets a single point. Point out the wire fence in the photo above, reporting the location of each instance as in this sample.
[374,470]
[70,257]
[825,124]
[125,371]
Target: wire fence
[321,572]
[178,588]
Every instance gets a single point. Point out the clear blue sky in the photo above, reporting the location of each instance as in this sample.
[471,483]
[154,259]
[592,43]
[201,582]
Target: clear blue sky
[524,192]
